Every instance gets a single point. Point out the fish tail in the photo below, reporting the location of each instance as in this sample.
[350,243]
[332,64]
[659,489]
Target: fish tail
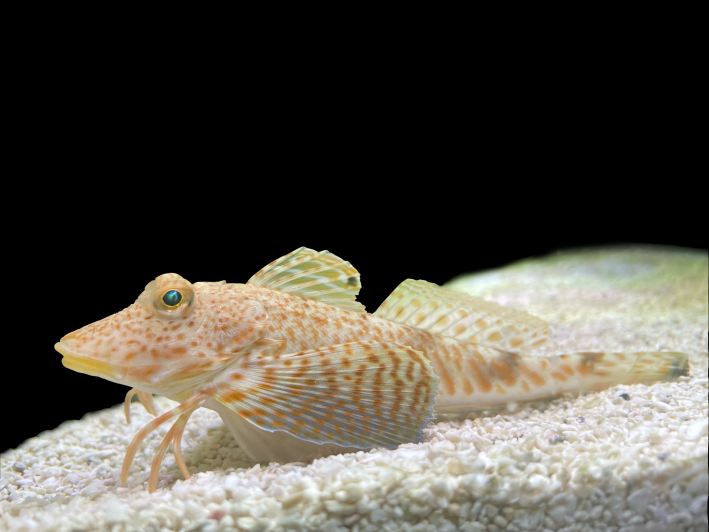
[598,371]
[493,378]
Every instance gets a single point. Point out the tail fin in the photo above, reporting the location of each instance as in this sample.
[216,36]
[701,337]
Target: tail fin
[603,370]
[489,378]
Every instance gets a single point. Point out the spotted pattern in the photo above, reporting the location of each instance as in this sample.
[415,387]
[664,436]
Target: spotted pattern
[317,275]
[365,394]
[464,317]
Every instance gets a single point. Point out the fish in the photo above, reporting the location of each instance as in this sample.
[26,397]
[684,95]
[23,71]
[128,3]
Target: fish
[296,367]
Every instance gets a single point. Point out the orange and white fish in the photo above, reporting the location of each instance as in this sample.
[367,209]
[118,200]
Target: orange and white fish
[293,364]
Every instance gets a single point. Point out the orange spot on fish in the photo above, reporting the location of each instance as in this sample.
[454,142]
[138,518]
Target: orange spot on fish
[479,358]
[234,396]
[495,337]
[147,371]
[566,369]
[479,376]
[504,371]
[533,376]
[525,386]
[587,363]
[516,342]
[558,376]
[418,318]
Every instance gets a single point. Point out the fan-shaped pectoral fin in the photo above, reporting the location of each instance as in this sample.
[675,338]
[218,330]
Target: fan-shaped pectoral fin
[357,395]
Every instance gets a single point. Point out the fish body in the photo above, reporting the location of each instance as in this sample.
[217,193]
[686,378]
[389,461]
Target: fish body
[295,366]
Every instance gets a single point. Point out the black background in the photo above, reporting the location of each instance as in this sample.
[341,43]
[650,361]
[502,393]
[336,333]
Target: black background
[111,189]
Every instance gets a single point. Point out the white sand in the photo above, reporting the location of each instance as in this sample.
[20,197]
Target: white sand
[590,462]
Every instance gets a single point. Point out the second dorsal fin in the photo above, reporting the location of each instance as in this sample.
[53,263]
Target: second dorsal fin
[317,275]
[461,316]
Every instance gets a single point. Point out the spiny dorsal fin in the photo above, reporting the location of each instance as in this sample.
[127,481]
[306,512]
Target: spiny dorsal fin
[461,316]
[317,275]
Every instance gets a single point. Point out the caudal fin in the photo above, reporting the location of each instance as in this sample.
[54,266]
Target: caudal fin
[599,371]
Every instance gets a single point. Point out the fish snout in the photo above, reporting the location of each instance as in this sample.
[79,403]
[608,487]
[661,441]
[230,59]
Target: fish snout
[86,353]
[89,365]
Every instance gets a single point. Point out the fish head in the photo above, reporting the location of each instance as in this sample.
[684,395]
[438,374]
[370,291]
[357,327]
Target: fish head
[175,336]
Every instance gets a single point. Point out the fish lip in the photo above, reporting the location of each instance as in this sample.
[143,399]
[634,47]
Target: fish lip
[88,365]
[62,349]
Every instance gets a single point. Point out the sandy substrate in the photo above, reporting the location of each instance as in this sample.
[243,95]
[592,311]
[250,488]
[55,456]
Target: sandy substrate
[632,458]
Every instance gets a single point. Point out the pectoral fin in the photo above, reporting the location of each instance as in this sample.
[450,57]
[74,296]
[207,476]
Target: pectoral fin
[363,394]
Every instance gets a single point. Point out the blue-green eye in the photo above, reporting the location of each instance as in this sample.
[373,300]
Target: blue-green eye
[172,298]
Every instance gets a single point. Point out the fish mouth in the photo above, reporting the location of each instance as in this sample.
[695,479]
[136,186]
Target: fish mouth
[88,365]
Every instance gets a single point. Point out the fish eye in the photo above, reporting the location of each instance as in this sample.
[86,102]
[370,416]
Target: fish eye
[172,298]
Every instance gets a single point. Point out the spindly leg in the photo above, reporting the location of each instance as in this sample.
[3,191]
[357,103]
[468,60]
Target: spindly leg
[126,403]
[175,433]
[145,397]
[177,451]
[185,408]
[157,460]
